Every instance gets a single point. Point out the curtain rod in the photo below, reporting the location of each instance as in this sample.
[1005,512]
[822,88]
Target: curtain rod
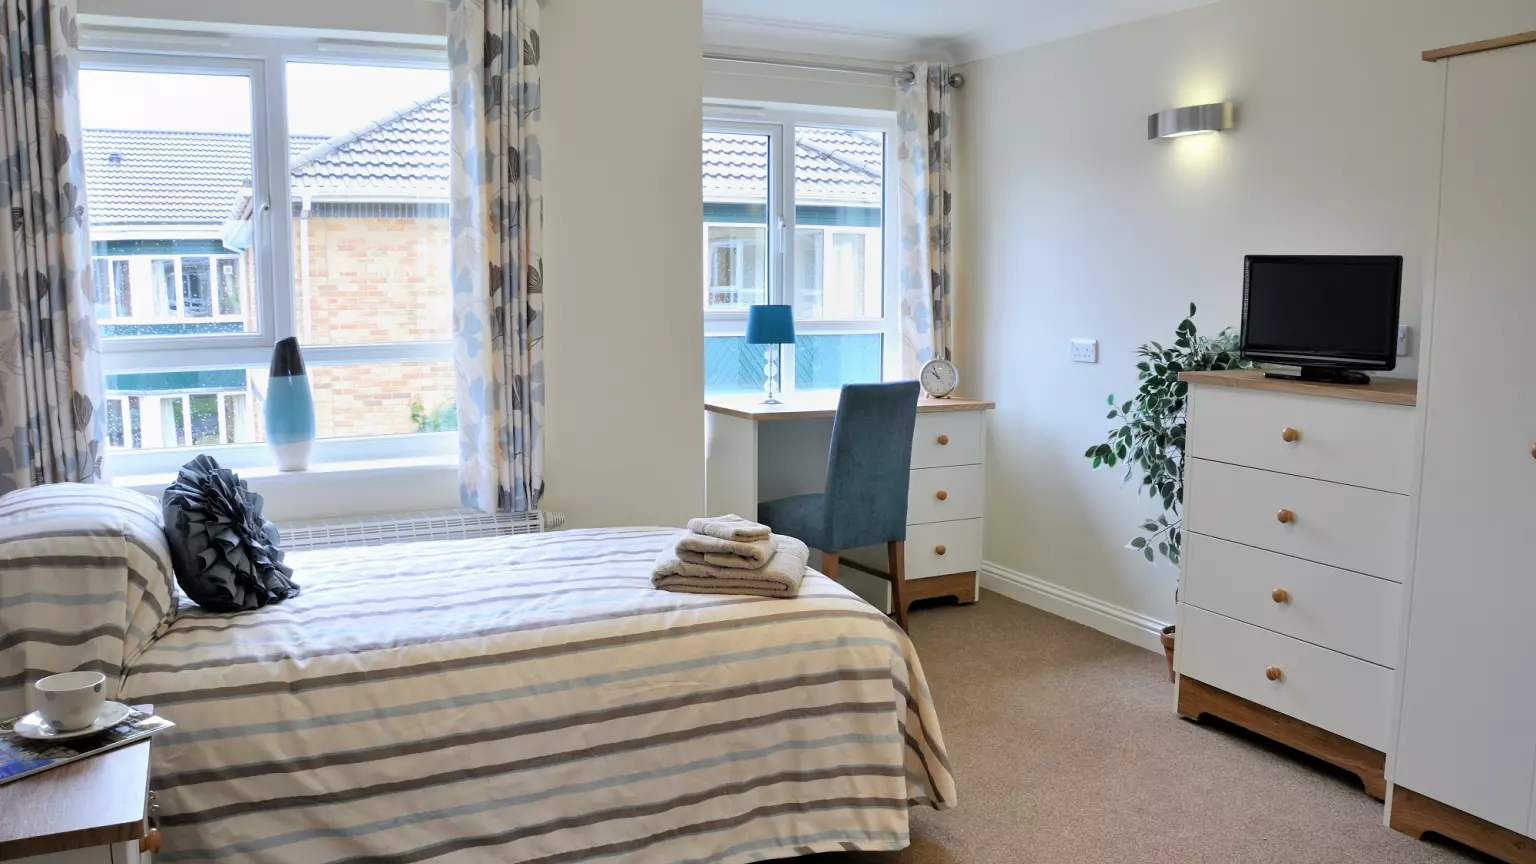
[955,79]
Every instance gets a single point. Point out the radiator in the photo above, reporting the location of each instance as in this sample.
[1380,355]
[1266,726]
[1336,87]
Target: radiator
[412,527]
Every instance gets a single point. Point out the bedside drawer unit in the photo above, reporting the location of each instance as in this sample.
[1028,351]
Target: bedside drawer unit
[940,548]
[1359,443]
[1329,523]
[944,494]
[947,438]
[1336,609]
[1343,695]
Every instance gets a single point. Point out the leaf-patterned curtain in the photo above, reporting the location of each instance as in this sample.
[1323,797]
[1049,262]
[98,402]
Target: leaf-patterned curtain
[51,423]
[497,226]
[923,206]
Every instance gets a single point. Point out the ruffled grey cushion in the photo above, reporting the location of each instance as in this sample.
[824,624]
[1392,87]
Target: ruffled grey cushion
[225,554]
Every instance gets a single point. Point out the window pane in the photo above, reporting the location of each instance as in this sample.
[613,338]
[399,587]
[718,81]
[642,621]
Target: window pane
[229,285]
[208,407]
[167,292]
[101,287]
[735,221]
[205,418]
[370,203]
[829,362]
[196,292]
[732,366]
[168,161]
[840,190]
[115,437]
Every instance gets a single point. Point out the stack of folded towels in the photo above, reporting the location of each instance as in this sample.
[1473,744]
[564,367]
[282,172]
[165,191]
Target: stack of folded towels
[731,555]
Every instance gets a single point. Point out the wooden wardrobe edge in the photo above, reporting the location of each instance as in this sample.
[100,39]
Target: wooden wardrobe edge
[1474,47]
[1416,815]
[1197,698]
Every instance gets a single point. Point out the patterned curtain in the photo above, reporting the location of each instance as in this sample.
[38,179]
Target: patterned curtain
[51,423]
[497,226]
[923,208]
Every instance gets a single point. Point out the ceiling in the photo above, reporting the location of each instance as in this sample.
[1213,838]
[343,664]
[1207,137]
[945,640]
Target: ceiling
[901,29]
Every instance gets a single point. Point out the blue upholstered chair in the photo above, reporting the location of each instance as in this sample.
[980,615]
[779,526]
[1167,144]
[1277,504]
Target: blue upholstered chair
[868,471]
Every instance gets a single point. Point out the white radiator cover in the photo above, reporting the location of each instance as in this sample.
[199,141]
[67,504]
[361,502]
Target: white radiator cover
[413,527]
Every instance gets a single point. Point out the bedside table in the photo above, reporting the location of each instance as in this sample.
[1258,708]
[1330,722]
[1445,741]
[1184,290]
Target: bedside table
[93,811]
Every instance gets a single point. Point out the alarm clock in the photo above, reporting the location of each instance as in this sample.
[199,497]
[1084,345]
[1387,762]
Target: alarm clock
[939,378]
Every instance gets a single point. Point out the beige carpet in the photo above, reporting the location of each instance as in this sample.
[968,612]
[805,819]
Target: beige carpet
[1066,749]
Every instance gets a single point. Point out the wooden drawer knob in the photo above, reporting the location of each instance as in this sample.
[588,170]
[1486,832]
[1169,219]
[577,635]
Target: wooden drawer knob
[1285,516]
[944,441]
[150,842]
[1280,595]
[1273,673]
[942,495]
[939,549]
[1533,451]
[1289,435]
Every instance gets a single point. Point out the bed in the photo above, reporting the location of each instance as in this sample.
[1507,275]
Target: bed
[531,699]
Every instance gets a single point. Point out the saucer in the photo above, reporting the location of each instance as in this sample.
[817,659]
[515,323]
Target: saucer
[35,727]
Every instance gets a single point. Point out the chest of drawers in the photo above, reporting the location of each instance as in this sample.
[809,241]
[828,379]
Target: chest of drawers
[1296,521]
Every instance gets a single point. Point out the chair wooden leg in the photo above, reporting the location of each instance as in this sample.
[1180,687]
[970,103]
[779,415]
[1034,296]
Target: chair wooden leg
[829,565]
[897,553]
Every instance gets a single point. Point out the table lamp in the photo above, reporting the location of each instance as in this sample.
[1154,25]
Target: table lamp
[773,326]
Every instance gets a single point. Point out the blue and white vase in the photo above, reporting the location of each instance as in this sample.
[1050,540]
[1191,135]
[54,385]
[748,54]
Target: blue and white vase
[290,409]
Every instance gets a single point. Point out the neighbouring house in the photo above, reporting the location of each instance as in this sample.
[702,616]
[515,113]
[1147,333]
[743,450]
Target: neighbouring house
[173,254]
[838,250]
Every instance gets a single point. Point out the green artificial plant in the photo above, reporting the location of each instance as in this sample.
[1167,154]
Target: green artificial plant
[1149,429]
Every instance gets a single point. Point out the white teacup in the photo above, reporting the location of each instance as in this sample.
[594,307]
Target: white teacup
[72,700]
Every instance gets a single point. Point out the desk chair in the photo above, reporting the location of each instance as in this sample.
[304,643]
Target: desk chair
[868,471]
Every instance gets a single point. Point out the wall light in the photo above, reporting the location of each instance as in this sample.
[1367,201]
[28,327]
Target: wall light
[1189,120]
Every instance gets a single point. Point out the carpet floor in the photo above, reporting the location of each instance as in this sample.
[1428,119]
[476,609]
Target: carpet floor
[1066,748]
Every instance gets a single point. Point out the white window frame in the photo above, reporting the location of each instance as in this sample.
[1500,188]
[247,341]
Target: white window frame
[778,123]
[263,60]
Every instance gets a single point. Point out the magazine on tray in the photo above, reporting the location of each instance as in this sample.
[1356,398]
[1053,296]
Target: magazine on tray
[21,757]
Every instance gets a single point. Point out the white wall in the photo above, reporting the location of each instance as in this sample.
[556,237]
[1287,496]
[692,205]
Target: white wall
[624,337]
[1072,224]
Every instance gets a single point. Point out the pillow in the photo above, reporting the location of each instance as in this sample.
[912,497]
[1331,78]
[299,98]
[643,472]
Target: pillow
[225,554]
[85,584]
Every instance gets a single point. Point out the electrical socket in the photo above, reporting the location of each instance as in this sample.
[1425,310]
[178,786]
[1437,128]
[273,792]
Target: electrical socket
[1404,334]
[1085,350]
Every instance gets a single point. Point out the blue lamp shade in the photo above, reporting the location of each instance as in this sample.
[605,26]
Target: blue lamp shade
[770,325]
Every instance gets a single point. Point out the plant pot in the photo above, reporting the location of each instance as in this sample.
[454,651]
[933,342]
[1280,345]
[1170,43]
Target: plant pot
[1167,637]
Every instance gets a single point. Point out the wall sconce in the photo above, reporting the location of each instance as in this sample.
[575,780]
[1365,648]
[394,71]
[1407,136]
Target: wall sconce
[1189,120]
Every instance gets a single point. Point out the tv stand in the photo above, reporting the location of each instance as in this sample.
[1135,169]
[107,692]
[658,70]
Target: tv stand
[1322,375]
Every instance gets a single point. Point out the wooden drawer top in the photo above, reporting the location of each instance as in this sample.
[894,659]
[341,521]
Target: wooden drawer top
[91,802]
[1388,391]
[819,404]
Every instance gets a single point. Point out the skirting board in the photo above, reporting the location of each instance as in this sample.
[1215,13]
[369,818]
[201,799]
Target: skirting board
[1116,621]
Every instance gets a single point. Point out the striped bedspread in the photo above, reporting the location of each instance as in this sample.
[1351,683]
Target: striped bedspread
[534,699]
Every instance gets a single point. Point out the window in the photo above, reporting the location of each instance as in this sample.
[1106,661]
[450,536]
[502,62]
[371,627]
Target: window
[821,184]
[215,233]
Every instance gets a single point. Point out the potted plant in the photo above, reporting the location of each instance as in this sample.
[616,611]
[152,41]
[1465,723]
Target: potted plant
[1147,435]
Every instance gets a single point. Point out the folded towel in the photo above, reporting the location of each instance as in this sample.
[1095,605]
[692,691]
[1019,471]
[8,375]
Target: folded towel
[780,577]
[731,527]
[703,549]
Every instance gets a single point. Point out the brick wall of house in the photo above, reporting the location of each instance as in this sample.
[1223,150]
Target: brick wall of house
[375,280]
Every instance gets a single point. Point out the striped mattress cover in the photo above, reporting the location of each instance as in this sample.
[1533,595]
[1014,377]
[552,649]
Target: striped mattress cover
[534,699]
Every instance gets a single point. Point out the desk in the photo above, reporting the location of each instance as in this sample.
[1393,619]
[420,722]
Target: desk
[758,452]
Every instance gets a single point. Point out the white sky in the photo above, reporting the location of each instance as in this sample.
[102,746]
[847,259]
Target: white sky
[323,99]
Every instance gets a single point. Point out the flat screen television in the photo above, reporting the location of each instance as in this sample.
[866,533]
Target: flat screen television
[1332,315]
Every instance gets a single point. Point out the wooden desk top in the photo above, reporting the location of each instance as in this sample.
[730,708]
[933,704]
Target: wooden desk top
[1388,391]
[820,403]
[89,802]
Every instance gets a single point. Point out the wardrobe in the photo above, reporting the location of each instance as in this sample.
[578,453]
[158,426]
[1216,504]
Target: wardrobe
[1462,759]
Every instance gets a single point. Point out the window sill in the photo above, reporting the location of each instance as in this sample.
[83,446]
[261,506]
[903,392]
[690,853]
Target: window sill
[338,488]
[269,474]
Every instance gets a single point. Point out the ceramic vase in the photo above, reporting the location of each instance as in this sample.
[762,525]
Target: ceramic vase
[289,409]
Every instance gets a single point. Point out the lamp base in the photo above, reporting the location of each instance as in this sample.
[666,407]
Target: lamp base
[770,401]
